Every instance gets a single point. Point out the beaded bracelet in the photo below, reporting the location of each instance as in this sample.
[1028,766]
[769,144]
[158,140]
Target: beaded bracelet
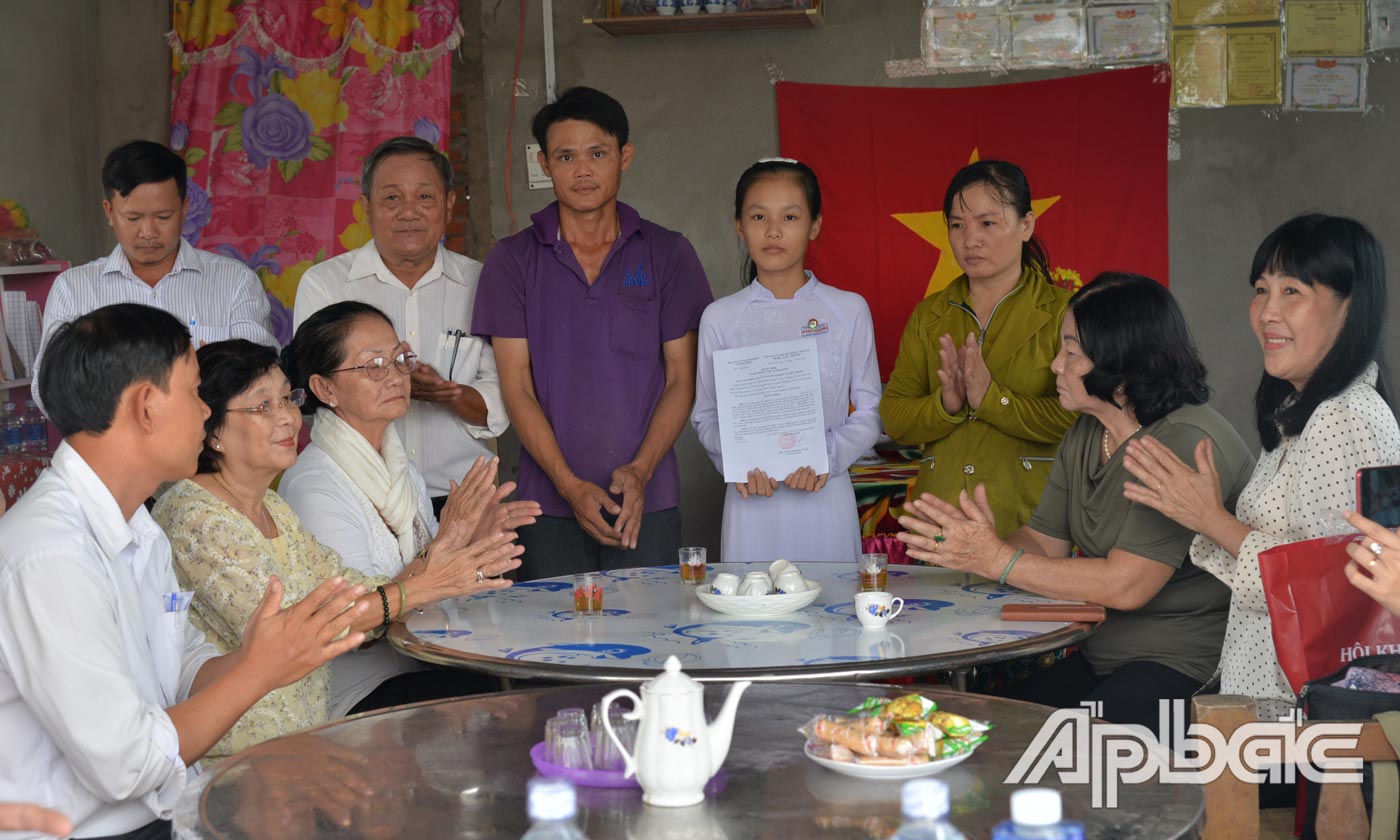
[384,599]
[1007,571]
[403,600]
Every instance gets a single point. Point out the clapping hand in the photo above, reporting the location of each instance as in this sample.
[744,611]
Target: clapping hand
[962,538]
[975,375]
[481,505]
[284,645]
[456,567]
[1165,483]
[951,383]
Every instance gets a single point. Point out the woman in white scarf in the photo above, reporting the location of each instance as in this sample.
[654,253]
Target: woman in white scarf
[355,488]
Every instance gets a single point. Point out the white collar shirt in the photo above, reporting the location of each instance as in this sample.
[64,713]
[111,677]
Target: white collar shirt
[90,656]
[434,317]
[217,297]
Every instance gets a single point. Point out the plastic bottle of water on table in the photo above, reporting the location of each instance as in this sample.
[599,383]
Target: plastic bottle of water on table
[553,807]
[925,806]
[36,428]
[14,429]
[1036,814]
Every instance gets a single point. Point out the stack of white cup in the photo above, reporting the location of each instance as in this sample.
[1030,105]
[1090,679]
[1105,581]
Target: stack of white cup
[782,578]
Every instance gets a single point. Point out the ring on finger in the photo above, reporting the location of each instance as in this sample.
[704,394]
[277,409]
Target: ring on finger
[480,578]
[1376,549]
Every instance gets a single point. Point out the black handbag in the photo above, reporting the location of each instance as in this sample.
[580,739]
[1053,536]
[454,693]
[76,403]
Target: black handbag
[1380,785]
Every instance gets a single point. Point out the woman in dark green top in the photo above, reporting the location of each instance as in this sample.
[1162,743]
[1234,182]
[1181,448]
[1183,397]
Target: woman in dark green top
[1128,364]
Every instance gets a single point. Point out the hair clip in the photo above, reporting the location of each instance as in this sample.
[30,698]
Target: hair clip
[777,160]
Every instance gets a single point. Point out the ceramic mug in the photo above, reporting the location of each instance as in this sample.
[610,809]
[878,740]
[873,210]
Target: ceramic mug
[689,7]
[789,582]
[756,583]
[875,609]
[666,7]
[779,566]
[724,584]
[713,8]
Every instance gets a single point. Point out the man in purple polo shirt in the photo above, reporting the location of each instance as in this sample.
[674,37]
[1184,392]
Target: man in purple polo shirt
[592,314]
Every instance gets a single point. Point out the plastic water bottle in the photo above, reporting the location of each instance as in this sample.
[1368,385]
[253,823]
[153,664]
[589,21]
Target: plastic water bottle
[553,806]
[1036,815]
[36,428]
[14,429]
[925,805]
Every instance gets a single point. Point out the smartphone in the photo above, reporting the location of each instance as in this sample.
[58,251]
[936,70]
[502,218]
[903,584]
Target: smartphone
[1378,494]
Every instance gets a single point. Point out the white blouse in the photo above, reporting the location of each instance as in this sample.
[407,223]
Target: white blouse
[339,515]
[1297,492]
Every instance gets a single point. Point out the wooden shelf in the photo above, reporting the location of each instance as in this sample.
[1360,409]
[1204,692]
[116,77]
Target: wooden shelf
[7,384]
[731,22]
[36,268]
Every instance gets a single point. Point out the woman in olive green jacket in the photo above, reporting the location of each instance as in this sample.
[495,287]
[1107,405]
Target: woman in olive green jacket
[972,385]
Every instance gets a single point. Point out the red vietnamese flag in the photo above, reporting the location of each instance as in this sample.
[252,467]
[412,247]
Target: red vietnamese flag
[1093,147]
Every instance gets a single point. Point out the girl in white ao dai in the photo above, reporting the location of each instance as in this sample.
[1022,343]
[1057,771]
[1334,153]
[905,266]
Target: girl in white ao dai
[804,516]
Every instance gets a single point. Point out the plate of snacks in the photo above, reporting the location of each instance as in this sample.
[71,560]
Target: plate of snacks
[892,738]
[760,606]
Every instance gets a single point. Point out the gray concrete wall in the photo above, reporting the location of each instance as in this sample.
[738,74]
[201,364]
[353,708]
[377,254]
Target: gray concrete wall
[85,76]
[702,108]
[82,77]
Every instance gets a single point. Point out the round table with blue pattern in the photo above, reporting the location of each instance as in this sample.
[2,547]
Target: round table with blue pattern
[950,622]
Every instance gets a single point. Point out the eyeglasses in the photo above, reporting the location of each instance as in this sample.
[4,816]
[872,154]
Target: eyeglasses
[378,367]
[295,399]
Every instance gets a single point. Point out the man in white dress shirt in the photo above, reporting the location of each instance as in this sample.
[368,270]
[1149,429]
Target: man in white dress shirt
[108,695]
[214,296]
[427,291]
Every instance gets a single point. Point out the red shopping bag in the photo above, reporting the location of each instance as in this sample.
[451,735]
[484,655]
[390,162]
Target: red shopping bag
[1320,621]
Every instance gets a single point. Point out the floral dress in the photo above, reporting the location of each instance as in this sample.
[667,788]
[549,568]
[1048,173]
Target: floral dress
[223,557]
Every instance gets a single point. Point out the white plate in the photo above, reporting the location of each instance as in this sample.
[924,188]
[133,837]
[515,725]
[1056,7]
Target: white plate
[873,771]
[759,606]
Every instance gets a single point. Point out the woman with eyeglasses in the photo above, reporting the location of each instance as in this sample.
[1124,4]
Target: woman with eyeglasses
[357,491]
[231,534]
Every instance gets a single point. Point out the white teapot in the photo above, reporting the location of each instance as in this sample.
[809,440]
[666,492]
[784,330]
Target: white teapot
[676,752]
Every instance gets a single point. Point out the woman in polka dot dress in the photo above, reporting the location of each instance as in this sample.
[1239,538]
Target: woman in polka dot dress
[1318,308]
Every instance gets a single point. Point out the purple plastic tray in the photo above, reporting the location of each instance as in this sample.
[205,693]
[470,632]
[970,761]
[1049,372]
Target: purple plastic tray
[586,778]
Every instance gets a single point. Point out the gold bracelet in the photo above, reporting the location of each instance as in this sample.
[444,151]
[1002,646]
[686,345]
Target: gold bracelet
[403,600]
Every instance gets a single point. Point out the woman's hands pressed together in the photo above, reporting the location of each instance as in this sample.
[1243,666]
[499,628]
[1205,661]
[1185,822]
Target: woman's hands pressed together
[963,376]
[952,386]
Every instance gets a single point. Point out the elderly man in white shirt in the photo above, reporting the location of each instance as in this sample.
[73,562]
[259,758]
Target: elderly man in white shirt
[427,292]
[214,296]
[108,695]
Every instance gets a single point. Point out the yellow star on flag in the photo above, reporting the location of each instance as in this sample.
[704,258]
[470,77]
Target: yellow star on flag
[932,228]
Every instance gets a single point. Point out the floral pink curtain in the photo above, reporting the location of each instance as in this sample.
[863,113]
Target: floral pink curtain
[276,104]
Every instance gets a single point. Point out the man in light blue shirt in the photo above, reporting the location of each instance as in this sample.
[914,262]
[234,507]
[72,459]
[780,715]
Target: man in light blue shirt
[214,296]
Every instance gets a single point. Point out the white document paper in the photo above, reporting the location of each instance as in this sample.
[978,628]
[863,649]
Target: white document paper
[770,409]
